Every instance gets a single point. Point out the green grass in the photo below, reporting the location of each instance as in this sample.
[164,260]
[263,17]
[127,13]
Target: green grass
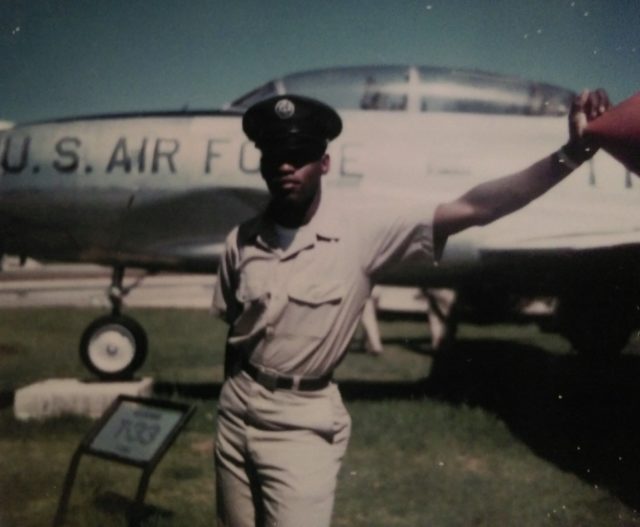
[507,429]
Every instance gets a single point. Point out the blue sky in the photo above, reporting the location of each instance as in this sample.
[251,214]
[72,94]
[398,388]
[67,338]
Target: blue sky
[74,57]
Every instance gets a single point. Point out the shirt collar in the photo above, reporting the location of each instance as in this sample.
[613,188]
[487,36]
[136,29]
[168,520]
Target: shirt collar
[323,225]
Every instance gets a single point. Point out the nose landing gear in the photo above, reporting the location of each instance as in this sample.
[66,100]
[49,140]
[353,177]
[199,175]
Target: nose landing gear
[114,346]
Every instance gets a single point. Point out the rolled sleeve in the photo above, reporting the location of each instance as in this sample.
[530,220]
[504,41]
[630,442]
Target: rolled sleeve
[395,237]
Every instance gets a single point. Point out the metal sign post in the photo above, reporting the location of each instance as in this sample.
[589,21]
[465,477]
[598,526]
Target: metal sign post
[134,431]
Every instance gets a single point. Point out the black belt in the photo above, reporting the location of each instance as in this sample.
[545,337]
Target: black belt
[272,381]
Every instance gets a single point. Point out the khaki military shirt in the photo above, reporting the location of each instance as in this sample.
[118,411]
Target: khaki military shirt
[294,311]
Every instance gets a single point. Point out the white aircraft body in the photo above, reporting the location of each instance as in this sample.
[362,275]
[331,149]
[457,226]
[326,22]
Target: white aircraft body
[161,191]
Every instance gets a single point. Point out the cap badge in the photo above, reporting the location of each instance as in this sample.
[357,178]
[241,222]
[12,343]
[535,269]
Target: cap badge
[285,108]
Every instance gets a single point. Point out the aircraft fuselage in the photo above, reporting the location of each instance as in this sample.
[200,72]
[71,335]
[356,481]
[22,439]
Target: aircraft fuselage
[162,190]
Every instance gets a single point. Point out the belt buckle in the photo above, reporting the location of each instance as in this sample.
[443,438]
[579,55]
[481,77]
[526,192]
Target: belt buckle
[270,382]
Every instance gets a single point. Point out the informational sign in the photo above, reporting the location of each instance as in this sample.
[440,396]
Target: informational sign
[136,431]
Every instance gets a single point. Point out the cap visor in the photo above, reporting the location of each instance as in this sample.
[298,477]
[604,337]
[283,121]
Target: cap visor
[293,142]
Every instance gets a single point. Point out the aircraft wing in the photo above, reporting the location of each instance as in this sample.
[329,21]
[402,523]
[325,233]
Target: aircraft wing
[557,225]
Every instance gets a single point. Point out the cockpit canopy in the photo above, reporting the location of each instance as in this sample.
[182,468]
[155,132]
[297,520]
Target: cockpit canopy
[417,89]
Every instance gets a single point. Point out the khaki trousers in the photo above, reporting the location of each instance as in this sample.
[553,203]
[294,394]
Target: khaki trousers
[278,454]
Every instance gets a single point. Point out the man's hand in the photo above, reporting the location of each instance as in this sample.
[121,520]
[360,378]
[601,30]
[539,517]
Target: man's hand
[586,107]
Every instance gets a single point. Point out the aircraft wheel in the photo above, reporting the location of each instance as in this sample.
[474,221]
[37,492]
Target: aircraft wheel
[596,328]
[113,347]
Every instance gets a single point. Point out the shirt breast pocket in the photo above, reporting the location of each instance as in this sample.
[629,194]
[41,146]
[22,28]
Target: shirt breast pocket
[253,298]
[311,308]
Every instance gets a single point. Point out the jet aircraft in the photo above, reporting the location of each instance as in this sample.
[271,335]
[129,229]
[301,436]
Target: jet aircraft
[160,190]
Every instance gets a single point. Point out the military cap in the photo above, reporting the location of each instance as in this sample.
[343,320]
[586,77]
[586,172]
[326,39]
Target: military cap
[291,121]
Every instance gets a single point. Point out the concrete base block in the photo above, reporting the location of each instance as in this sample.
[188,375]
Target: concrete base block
[55,397]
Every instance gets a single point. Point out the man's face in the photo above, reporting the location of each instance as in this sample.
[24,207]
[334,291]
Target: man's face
[293,177]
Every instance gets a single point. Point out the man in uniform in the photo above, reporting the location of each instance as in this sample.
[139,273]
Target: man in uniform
[292,285]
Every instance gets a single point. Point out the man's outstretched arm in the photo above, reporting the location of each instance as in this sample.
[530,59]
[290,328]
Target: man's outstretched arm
[496,198]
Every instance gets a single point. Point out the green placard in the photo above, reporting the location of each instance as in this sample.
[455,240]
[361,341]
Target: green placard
[135,431]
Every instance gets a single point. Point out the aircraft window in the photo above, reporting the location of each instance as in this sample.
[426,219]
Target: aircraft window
[351,88]
[262,92]
[478,92]
[364,88]
[417,89]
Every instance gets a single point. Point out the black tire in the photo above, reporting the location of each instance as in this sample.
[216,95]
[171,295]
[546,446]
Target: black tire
[113,347]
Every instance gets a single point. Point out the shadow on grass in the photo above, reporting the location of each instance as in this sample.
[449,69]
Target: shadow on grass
[115,504]
[582,416]
[6,398]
